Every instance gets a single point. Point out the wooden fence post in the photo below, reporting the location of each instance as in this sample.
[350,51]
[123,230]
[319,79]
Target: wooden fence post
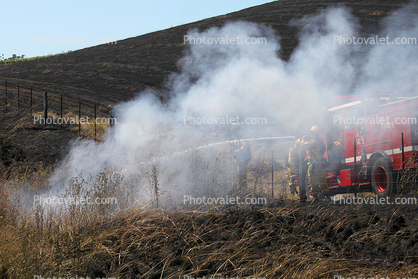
[272,175]
[61,113]
[112,124]
[31,100]
[18,96]
[6,92]
[79,116]
[45,106]
[95,116]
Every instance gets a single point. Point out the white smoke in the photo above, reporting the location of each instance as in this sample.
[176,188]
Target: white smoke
[247,81]
[392,68]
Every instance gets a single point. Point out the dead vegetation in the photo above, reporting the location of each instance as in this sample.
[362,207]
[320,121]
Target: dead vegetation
[289,241]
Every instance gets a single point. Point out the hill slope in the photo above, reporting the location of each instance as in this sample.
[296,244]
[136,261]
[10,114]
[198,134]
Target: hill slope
[115,72]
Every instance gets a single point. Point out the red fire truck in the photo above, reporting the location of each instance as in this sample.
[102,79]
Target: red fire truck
[368,141]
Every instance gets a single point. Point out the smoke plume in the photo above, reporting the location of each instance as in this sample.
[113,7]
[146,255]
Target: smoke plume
[245,81]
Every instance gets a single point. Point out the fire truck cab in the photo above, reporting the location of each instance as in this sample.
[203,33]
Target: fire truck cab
[368,141]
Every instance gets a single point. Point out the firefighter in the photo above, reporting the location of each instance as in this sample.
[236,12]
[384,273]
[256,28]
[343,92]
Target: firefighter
[242,155]
[317,163]
[293,166]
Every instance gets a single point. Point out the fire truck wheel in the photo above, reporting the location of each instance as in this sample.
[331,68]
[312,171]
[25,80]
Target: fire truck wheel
[382,179]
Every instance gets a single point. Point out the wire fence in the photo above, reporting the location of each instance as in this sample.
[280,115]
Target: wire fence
[48,107]
[43,104]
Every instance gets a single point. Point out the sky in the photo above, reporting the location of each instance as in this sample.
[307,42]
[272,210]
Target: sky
[43,27]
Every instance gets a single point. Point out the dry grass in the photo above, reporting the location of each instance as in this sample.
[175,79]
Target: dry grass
[288,241]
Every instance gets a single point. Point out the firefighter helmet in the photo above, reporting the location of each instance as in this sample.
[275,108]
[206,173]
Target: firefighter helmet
[235,126]
[315,129]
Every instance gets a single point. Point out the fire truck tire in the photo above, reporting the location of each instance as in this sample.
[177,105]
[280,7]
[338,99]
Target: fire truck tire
[382,178]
